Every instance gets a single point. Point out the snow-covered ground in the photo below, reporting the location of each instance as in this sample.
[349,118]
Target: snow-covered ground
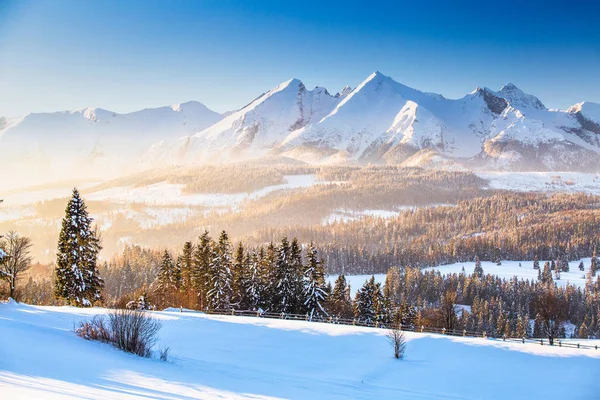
[346,215]
[164,193]
[507,270]
[251,358]
[564,182]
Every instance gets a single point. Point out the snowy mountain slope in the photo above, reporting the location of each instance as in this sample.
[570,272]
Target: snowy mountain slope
[379,121]
[255,129]
[93,141]
[245,357]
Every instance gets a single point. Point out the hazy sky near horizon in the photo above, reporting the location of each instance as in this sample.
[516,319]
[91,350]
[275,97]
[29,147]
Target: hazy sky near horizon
[129,55]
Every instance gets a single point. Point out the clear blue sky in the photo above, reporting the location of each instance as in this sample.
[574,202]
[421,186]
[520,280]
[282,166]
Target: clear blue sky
[127,55]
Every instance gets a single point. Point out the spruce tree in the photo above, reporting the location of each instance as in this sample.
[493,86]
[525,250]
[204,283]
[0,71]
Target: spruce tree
[315,294]
[76,275]
[167,280]
[297,270]
[536,262]
[253,282]
[187,268]
[268,276]
[365,306]
[340,302]
[285,287]
[220,292]
[238,277]
[202,260]
[478,270]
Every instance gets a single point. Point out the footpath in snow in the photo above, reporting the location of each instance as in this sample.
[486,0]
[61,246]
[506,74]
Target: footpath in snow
[245,357]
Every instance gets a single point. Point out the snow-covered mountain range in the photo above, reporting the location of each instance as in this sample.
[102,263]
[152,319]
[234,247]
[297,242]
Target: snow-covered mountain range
[380,121]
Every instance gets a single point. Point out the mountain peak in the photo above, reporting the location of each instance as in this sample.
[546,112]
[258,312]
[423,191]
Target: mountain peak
[519,99]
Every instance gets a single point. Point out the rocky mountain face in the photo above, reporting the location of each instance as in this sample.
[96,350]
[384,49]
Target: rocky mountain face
[379,121]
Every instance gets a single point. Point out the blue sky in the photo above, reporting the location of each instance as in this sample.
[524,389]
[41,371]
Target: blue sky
[127,55]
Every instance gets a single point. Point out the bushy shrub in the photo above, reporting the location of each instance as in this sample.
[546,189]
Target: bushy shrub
[132,331]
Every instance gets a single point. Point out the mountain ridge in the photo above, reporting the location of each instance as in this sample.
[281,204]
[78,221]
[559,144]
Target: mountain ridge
[379,121]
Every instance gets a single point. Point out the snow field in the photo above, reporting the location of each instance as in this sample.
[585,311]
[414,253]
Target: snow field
[507,270]
[245,357]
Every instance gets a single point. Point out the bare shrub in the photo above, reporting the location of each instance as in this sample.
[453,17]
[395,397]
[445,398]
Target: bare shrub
[164,353]
[397,341]
[132,331]
[94,330]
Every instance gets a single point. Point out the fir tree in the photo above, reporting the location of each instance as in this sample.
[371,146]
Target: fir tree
[286,280]
[253,282]
[187,270]
[268,277]
[315,294]
[595,263]
[365,303]
[238,277]
[202,261]
[76,276]
[167,280]
[478,270]
[340,303]
[220,294]
[297,270]
[536,262]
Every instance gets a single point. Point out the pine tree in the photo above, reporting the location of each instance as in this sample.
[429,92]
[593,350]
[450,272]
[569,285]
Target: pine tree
[238,277]
[536,262]
[299,281]
[581,266]
[365,306]
[478,270]
[547,273]
[285,286]
[595,263]
[187,269]
[167,280]
[315,292]
[253,282]
[220,293]
[268,277]
[76,275]
[340,302]
[202,260]
[520,330]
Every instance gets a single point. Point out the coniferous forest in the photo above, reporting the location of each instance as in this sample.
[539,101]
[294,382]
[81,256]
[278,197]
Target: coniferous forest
[269,272]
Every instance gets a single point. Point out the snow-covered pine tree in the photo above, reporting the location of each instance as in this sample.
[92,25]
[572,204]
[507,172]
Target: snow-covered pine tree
[253,281]
[76,275]
[300,282]
[365,308]
[285,286]
[167,279]
[595,263]
[268,276]
[220,292]
[202,259]
[340,302]
[238,277]
[478,270]
[186,266]
[315,294]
